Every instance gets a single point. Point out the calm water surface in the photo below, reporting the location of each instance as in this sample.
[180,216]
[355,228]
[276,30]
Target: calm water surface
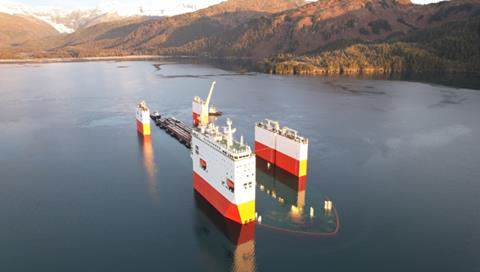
[80,191]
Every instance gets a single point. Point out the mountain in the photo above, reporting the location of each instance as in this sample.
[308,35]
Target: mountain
[295,37]
[259,29]
[147,34]
[64,21]
[68,21]
[450,47]
[192,27]
[16,29]
[96,40]
[352,36]
[330,23]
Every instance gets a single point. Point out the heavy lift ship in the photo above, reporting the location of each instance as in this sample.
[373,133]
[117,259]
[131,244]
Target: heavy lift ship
[223,169]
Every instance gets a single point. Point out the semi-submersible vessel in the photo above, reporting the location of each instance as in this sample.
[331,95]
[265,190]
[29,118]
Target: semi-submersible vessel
[223,167]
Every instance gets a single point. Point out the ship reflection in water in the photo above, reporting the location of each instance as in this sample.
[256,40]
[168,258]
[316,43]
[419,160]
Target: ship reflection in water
[222,237]
[145,143]
[285,206]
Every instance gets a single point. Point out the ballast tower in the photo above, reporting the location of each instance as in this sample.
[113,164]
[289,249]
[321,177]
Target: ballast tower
[282,147]
[143,119]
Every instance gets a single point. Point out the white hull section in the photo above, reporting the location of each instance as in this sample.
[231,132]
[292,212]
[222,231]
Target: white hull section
[220,168]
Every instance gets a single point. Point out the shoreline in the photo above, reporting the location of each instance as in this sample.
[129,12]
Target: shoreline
[113,58]
[448,78]
[84,59]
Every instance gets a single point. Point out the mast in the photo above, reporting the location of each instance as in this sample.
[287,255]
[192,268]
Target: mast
[229,132]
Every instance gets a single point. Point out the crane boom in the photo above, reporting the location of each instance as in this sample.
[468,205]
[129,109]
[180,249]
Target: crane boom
[207,102]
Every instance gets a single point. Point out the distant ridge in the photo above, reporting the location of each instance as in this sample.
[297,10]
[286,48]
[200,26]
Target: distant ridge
[331,23]
[16,29]
[291,36]
[143,35]
[70,20]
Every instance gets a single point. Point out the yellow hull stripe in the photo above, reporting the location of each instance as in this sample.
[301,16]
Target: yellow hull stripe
[302,171]
[247,211]
[146,129]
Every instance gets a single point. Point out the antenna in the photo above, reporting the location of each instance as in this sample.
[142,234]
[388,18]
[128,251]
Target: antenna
[229,132]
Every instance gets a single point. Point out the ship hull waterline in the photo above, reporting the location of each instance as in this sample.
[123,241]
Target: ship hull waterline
[240,213]
[293,166]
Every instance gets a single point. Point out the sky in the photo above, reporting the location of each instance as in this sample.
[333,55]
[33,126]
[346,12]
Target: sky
[73,4]
[425,1]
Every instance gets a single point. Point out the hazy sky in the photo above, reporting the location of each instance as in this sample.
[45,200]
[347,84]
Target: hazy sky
[425,1]
[93,3]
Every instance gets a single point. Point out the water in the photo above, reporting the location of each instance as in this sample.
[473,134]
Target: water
[80,191]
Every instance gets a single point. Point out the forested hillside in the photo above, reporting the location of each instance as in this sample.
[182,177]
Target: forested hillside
[452,47]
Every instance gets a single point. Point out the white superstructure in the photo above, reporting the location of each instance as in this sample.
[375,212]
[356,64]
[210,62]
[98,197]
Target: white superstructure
[224,171]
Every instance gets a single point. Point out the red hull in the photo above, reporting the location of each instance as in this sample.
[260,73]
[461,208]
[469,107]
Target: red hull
[264,152]
[143,128]
[279,159]
[287,163]
[219,202]
[236,233]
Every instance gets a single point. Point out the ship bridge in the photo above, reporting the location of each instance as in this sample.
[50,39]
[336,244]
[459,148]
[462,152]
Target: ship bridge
[224,141]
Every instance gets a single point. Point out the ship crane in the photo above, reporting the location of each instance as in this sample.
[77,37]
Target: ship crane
[206,106]
[207,102]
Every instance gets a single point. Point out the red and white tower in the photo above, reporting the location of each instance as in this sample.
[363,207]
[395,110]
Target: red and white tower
[282,147]
[143,119]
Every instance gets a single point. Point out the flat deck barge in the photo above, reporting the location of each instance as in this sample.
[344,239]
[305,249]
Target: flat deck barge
[174,127]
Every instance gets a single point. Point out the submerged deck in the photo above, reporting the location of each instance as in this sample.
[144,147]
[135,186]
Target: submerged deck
[176,128]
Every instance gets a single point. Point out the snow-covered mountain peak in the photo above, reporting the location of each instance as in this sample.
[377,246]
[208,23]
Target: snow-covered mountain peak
[67,20]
